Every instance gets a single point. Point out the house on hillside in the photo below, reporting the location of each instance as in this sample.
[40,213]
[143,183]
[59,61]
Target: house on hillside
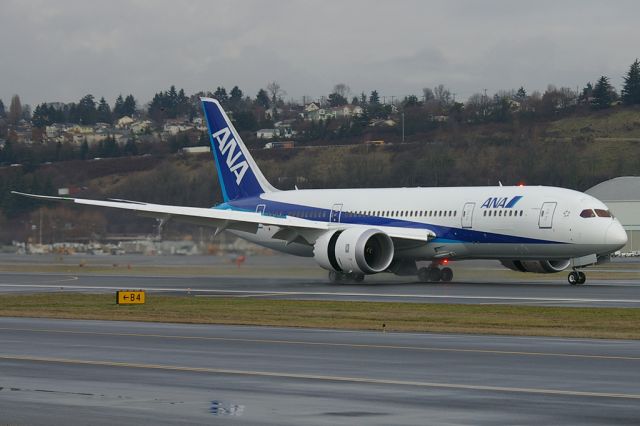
[124,122]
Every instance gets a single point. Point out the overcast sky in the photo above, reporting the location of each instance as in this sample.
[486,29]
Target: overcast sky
[61,50]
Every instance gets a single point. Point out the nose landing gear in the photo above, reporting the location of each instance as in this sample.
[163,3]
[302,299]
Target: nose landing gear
[576,277]
[337,277]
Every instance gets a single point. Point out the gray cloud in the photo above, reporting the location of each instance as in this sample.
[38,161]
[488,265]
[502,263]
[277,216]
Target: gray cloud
[62,50]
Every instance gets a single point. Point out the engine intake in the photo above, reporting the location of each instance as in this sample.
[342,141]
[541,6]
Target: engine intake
[537,266]
[354,250]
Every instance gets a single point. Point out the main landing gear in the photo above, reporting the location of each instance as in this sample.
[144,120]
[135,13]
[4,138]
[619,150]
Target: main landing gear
[434,274]
[576,277]
[339,277]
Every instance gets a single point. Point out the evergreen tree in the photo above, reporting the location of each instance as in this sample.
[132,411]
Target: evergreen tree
[521,94]
[262,99]
[84,150]
[87,110]
[104,112]
[15,110]
[374,98]
[129,106]
[235,98]
[118,108]
[2,111]
[603,93]
[336,99]
[221,95]
[631,89]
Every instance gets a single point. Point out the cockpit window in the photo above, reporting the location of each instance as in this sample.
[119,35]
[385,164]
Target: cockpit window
[603,213]
[587,213]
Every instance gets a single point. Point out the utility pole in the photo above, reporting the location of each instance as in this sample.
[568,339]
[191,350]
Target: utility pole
[402,126]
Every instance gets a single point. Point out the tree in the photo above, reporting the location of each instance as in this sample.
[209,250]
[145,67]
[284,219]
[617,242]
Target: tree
[2,111]
[84,150]
[275,92]
[603,93]
[427,95]
[103,114]
[521,94]
[442,96]
[262,98]
[235,98]
[129,106]
[118,108]
[221,95]
[631,88]
[15,110]
[336,99]
[87,110]
[342,90]
[374,98]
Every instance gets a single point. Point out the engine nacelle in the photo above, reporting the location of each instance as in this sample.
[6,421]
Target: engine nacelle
[537,266]
[354,250]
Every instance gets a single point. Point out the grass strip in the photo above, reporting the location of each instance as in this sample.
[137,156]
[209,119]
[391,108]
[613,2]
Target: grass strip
[612,323]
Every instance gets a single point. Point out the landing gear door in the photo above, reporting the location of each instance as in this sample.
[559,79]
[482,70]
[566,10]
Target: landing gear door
[545,220]
[467,215]
[334,216]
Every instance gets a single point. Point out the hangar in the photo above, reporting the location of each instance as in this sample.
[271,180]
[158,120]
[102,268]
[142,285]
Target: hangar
[622,196]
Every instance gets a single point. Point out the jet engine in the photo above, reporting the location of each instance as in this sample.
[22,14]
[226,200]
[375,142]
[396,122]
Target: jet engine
[537,266]
[354,250]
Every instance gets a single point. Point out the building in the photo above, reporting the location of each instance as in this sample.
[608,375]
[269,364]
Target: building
[622,196]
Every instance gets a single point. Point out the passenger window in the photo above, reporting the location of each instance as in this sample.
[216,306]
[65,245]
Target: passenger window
[587,213]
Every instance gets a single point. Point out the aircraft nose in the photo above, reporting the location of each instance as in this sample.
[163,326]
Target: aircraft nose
[616,236]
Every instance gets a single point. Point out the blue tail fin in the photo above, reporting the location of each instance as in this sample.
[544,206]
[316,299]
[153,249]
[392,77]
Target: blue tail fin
[238,173]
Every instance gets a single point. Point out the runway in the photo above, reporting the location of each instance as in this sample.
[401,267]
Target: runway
[95,372]
[608,293]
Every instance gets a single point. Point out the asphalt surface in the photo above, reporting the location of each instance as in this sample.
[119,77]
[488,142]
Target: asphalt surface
[99,372]
[612,293]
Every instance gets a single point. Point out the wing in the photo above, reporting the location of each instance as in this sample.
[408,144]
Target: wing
[290,228]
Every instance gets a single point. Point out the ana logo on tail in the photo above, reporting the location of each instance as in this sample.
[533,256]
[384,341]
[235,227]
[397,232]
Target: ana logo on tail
[228,146]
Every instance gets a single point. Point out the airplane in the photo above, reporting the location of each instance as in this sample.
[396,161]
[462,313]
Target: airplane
[357,232]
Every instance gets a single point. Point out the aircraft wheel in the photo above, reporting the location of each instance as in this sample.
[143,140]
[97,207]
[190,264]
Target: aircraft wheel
[334,277]
[435,274]
[423,275]
[573,278]
[447,275]
[582,278]
[358,278]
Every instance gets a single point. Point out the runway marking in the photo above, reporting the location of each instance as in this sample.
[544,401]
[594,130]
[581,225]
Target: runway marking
[326,293]
[318,377]
[328,344]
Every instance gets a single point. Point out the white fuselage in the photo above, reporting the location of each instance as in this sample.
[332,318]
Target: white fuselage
[512,222]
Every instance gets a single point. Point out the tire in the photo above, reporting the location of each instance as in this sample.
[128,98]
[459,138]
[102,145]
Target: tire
[358,278]
[423,275]
[447,275]
[435,274]
[573,278]
[334,277]
[582,278]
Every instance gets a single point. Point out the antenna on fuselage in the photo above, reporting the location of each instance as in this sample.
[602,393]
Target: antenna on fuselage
[499,183]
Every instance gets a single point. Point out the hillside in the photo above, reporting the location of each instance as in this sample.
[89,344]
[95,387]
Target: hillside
[575,152]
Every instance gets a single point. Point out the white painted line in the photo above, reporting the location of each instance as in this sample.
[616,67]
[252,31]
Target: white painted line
[325,378]
[327,293]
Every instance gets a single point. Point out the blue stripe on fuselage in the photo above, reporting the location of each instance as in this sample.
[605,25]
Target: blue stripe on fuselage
[451,234]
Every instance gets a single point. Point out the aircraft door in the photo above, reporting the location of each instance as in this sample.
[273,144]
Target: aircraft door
[260,209]
[467,215]
[545,220]
[334,216]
